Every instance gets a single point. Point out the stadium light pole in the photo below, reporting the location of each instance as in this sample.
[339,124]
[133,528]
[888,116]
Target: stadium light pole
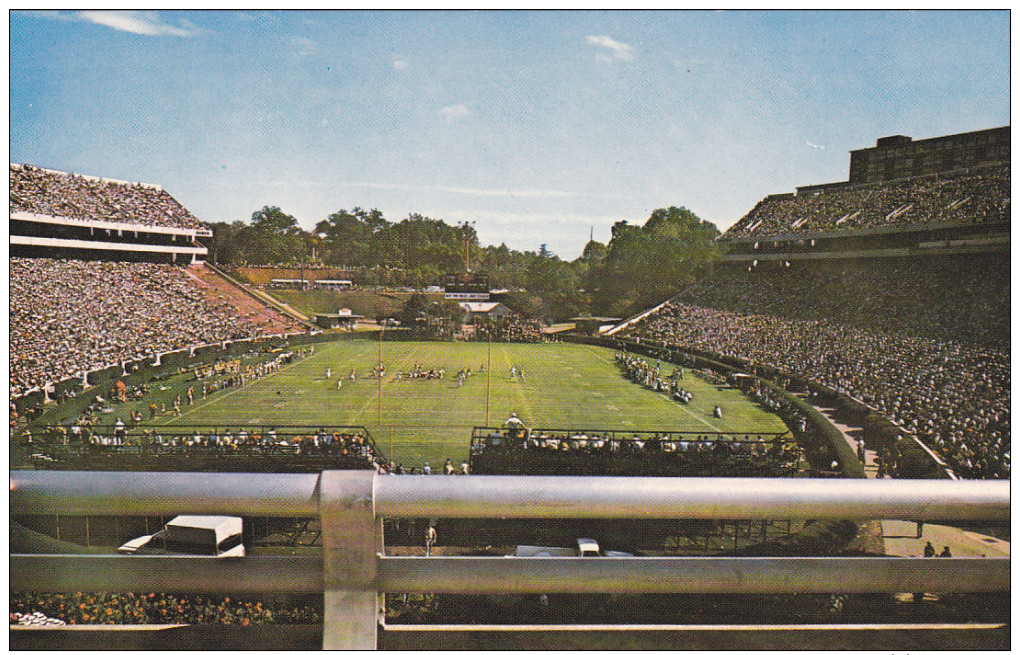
[488,379]
[378,374]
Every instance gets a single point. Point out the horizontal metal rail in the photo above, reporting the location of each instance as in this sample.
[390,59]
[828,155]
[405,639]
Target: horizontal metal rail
[515,575]
[513,497]
[352,570]
[114,493]
[171,574]
[700,575]
[559,497]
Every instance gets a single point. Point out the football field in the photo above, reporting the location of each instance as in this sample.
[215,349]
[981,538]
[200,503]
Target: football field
[564,385]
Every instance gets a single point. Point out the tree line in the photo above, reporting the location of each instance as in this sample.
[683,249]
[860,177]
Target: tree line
[641,265]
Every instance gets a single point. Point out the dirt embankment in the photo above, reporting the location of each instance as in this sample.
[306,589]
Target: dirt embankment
[266,319]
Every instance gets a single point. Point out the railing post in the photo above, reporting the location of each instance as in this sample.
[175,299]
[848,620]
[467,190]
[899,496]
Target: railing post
[352,539]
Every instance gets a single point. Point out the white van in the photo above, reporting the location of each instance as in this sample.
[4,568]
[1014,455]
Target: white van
[208,536]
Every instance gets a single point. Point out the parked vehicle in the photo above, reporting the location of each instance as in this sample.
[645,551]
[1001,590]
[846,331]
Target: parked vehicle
[208,536]
[585,548]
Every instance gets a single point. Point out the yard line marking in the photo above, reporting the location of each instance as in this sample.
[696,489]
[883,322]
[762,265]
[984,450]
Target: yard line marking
[683,408]
[375,394]
[247,386]
[517,388]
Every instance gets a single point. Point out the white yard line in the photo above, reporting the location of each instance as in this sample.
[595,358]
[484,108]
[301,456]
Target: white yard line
[520,393]
[242,388]
[666,398]
[683,408]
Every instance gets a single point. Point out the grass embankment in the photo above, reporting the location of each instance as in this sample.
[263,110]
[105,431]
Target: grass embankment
[371,304]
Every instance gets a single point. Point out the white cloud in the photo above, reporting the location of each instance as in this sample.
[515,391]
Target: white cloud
[400,64]
[685,64]
[617,50]
[145,23]
[303,47]
[455,112]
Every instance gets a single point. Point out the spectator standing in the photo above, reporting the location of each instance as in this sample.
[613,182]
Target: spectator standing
[430,539]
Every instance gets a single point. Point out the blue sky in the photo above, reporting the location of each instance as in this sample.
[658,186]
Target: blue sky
[538,126]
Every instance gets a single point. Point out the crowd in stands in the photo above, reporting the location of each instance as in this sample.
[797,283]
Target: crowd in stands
[524,451]
[227,449]
[980,195]
[951,298]
[954,396]
[512,328]
[69,316]
[80,608]
[68,195]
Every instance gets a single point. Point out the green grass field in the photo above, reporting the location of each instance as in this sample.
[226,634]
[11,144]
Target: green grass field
[414,421]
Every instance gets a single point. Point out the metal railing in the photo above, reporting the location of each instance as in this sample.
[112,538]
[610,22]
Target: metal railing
[354,571]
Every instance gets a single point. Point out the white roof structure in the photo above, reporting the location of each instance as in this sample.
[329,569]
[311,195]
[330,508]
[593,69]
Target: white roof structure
[204,522]
[479,307]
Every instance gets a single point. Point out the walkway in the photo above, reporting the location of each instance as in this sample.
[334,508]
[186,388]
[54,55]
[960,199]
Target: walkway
[899,538]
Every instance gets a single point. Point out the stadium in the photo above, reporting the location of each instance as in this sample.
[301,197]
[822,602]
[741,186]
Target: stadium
[883,304]
[794,433]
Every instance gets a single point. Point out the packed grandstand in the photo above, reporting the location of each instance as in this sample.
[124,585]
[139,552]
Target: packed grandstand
[71,316]
[967,196]
[55,193]
[84,304]
[893,293]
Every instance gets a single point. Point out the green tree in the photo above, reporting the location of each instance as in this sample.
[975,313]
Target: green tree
[594,253]
[274,221]
[272,237]
[415,307]
[223,246]
[347,236]
[647,264]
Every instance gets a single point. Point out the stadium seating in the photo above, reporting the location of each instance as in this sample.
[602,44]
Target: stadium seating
[918,328]
[962,298]
[67,195]
[69,316]
[953,394]
[978,196]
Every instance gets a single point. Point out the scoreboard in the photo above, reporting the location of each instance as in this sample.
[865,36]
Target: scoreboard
[467,286]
